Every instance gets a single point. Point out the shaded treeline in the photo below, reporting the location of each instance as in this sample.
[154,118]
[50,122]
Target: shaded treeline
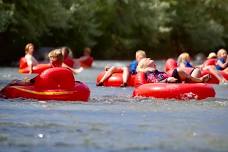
[114,29]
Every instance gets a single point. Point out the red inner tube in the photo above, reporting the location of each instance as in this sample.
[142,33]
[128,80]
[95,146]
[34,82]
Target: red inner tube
[22,63]
[52,84]
[23,67]
[210,62]
[181,91]
[116,79]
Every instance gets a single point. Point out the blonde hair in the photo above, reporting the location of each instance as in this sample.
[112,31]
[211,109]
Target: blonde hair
[211,55]
[140,52]
[56,53]
[143,65]
[27,47]
[183,57]
[220,52]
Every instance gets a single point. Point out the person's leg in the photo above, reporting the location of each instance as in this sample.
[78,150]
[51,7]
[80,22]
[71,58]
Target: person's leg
[216,73]
[107,75]
[185,77]
[196,73]
[125,76]
[226,70]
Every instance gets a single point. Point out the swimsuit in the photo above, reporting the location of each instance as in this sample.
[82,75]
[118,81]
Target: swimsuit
[221,60]
[132,67]
[176,75]
[187,64]
[156,76]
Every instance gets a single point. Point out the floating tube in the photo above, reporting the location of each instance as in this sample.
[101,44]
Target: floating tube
[23,67]
[224,74]
[170,64]
[87,63]
[181,91]
[36,69]
[22,63]
[213,79]
[116,79]
[52,84]
[210,62]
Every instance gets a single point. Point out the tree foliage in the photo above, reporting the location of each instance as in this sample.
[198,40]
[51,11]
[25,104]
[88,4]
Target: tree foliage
[115,28]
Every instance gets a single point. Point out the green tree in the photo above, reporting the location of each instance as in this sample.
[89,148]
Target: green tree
[131,25]
[194,28]
[6,13]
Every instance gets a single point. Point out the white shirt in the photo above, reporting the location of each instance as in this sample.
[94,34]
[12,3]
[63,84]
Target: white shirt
[31,60]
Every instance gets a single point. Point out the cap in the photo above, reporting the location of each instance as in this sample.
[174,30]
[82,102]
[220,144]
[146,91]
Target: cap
[212,55]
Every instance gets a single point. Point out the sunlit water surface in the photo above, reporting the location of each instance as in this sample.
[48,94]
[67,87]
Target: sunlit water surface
[112,121]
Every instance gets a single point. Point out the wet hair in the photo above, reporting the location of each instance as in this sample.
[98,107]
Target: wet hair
[27,47]
[56,53]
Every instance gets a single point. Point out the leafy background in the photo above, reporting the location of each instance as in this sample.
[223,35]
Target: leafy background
[114,29]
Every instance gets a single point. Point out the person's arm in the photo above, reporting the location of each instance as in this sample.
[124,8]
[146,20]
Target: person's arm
[83,58]
[76,71]
[222,65]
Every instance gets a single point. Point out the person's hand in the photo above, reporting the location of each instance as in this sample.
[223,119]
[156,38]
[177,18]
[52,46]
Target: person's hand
[78,70]
[171,80]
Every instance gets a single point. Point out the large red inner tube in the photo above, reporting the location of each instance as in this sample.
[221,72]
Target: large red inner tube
[182,91]
[36,69]
[23,63]
[55,78]
[52,84]
[116,79]
[23,67]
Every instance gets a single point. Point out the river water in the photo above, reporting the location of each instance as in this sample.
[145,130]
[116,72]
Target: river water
[112,121]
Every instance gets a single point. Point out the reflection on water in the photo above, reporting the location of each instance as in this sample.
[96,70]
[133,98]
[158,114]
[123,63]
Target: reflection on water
[112,121]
